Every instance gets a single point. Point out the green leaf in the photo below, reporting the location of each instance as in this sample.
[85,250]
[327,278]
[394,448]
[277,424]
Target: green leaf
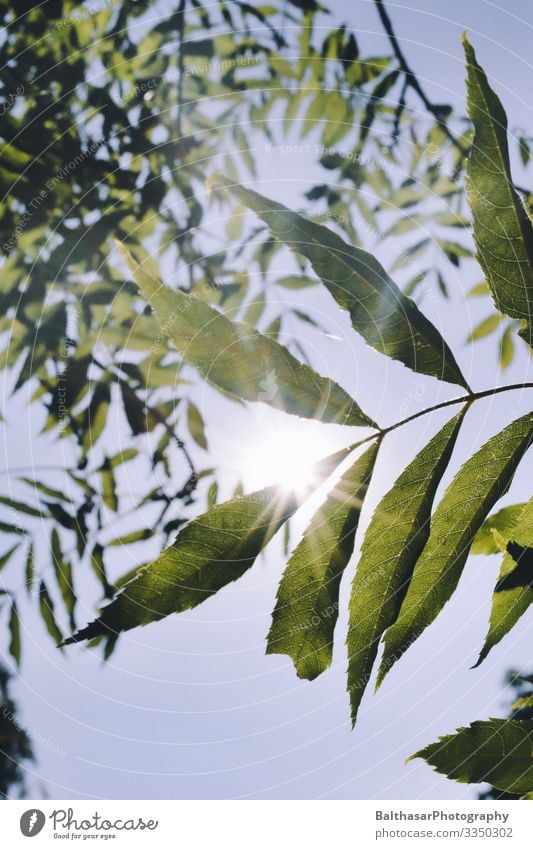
[479,289]
[477,486]
[496,750]
[98,567]
[63,574]
[503,521]
[123,457]
[5,558]
[502,229]
[386,318]
[196,425]
[47,490]
[21,507]
[523,702]
[210,552]
[134,536]
[307,603]
[109,494]
[296,281]
[395,537]
[525,152]
[46,608]
[514,588]
[507,346]
[485,328]
[29,572]
[233,357]
[14,632]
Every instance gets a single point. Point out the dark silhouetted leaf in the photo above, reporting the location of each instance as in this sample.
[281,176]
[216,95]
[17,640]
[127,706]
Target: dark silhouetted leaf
[14,634]
[46,607]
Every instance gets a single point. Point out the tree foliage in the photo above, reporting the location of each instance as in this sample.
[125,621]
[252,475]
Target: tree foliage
[90,332]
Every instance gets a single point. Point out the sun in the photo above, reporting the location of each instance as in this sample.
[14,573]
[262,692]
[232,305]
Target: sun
[284,453]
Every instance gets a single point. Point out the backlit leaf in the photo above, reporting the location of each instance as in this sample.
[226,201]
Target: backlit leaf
[514,588]
[477,486]
[393,542]
[386,318]
[502,228]
[496,750]
[503,521]
[210,552]
[234,357]
[307,603]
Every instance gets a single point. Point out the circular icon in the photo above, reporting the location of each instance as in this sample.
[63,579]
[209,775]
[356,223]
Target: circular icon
[32,822]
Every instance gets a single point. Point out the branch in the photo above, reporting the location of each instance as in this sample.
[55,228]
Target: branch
[463,399]
[181,64]
[413,82]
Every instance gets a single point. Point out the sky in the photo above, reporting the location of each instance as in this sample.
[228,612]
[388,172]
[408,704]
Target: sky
[191,707]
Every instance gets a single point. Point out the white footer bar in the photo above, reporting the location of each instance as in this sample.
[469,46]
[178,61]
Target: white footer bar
[267,824]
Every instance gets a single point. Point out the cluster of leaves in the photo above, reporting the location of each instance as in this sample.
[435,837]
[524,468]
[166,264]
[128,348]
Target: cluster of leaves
[129,119]
[412,554]
[126,116]
[15,745]
[520,709]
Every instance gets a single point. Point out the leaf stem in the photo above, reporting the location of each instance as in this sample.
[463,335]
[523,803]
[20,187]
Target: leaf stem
[463,399]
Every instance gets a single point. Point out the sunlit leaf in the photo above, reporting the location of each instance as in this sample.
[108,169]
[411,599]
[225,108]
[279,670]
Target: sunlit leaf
[496,750]
[233,357]
[513,592]
[210,552]
[307,604]
[503,521]
[503,231]
[388,320]
[393,542]
[477,486]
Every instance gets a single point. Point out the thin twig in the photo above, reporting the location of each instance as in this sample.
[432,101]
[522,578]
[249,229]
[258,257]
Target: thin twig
[413,82]
[411,78]
[181,64]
